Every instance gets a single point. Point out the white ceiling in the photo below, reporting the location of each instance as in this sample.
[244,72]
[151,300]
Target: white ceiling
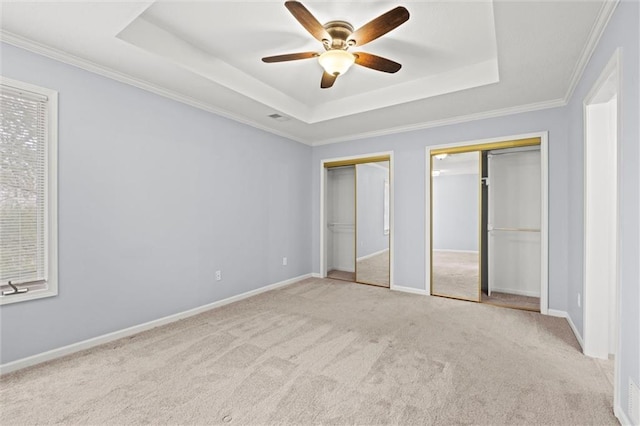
[461,60]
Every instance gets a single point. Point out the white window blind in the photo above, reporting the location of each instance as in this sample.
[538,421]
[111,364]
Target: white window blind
[23,186]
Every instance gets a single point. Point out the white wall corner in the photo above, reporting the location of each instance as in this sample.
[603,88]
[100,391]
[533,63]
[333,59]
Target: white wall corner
[575,331]
[622,416]
[564,314]
[557,313]
[599,25]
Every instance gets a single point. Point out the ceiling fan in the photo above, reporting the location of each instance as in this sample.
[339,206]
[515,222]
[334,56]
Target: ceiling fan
[338,36]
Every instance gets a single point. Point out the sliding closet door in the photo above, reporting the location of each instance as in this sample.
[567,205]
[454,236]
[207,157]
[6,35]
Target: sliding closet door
[340,230]
[455,225]
[514,222]
[372,223]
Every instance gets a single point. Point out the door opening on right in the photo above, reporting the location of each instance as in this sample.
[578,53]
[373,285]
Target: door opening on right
[510,229]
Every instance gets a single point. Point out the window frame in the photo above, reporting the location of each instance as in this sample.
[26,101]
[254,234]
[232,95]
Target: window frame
[50,287]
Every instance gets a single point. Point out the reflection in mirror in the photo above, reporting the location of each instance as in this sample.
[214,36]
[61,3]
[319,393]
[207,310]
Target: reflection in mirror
[455,257]
[372,223]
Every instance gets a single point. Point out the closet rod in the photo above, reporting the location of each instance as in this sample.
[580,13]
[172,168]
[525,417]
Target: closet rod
[515,229]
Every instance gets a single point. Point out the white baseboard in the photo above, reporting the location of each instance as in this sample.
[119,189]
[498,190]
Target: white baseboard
[516,291]
[565,315]
[371,255]
[622,416]
[317,275]
[109,337]
[411,290]
[557,313]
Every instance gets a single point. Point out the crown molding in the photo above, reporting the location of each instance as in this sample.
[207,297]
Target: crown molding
[69,59]
[449,121]
[599,25]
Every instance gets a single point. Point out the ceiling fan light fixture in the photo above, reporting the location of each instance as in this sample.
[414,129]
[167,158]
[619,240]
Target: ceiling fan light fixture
[336,61]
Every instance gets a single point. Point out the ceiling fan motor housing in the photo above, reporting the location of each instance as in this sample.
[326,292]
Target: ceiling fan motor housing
[339,32]
[338,36]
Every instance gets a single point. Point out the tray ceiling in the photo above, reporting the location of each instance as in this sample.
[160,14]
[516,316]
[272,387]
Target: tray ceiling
[460,59]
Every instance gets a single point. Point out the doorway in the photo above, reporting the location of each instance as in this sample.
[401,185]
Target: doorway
[487,222]
[356,220]
[601,214]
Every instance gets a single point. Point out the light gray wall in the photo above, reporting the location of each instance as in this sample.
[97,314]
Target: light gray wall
[408,184]
[455,212]
[622,31]
[370,209]
[154,196]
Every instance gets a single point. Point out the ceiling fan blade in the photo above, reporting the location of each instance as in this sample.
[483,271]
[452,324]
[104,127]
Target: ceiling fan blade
[327,80]
[290,57]
[308,21]
[380,26]
[377,63]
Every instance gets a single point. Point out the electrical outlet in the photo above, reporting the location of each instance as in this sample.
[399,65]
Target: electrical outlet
[579,300]
[284,261]
[218,275]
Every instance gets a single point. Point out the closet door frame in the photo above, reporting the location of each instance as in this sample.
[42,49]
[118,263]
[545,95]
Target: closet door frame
[540,138]
[347,161]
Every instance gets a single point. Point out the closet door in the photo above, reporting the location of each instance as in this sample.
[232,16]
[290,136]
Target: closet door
[455,225]
[514,222]
[340,223]
[372,223]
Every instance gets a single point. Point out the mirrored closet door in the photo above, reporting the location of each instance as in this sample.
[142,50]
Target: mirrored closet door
[358,226]
[372,223]
[455,229]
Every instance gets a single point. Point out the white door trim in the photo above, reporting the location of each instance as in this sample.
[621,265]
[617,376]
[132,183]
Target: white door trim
[323,185]
[544,206]
[591,348]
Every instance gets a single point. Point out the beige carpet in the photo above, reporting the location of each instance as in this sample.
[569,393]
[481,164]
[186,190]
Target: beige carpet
[374,270]
[512,301]
[456,274]
[325,352]
[337,274]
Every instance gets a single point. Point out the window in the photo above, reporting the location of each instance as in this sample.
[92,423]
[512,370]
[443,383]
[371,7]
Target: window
[28,192]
